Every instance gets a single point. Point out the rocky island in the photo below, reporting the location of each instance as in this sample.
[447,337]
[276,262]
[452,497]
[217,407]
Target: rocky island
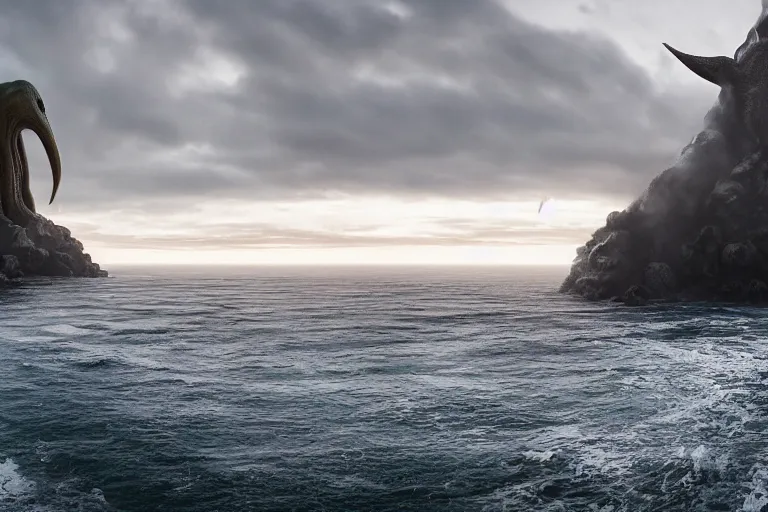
[699,232]
[30,244]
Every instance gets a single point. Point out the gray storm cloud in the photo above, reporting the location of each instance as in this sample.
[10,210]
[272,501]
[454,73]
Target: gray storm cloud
[435,97]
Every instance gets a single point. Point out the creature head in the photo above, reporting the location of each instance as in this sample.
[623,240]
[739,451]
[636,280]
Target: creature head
[744,77]
[21,107]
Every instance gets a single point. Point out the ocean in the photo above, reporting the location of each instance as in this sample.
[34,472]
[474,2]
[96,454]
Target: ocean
[381,389]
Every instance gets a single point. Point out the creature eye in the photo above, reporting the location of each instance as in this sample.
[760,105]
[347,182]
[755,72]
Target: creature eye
[40,105]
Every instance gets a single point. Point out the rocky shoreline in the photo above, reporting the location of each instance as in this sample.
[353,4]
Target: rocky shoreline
[42,249]
[699,232]
[722,257]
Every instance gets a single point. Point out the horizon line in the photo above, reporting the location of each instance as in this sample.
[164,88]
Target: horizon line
[331,264]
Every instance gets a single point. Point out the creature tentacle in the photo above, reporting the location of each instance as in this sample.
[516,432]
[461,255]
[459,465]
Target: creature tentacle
[23,166]
[18,211]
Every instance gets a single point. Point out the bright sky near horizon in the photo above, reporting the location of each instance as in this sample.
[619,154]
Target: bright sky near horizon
[331,131]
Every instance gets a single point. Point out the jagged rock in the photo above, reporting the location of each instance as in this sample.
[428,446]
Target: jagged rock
[700,260]
[636,295]
[609,253]
[709,238]
[724,201]
[659,280]
[43,248]
[759,238]
[727,191]
[751,172]
[700,229]
[613,220]
[10,266]
[589,288]
[733,290]
[739,256]
[757,291]
[619,221]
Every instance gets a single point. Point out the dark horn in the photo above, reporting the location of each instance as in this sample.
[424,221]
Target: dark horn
[718,70]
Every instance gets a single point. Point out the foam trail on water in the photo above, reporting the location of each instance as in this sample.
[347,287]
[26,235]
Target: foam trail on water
[12,484]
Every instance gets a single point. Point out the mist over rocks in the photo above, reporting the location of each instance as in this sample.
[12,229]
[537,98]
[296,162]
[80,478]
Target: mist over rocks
[700,229]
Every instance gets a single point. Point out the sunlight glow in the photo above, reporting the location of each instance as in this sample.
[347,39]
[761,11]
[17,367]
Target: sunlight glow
[390,255]
[211,71]
[352,230]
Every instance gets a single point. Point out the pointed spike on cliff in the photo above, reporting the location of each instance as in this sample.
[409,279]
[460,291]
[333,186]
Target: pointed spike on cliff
[717,70]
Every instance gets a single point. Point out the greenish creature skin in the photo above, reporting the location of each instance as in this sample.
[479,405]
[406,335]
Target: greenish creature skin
[22,108]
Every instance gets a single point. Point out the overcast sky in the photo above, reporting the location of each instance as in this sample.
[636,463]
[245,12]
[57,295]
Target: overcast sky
[334,130]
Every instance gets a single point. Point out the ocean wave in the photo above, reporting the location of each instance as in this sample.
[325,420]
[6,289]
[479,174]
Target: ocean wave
[425,392]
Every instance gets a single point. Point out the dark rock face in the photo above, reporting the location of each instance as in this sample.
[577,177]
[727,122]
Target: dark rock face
[700,229]
[41,249]
[659,279]
[718,253]
[636,296]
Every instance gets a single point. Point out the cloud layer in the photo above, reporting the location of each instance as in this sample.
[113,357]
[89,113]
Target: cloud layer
[280,99]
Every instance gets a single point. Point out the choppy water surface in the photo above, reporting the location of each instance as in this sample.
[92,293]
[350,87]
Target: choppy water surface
[374,389]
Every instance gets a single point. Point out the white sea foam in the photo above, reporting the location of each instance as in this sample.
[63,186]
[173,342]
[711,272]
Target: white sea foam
[539,456]
[65,330]
[593,459]
[758,497]
[12,484]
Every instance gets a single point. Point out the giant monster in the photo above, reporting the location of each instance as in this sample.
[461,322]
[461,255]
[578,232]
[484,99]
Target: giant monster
[699,232]
[30,244]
